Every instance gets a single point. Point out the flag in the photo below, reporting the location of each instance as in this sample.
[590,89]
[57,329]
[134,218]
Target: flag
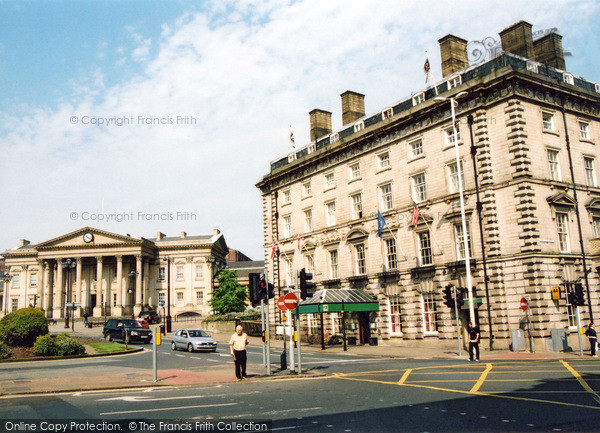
[273,249]
[298,242]
[380,223]
[292,139]
[427,70]
[416,213]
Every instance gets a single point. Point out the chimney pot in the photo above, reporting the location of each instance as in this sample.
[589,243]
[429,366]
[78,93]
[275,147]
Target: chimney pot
[353,106]
[320,123]
[517,39]
[453,52]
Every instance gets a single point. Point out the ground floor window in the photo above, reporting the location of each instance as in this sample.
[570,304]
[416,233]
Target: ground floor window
[199,297]
[572,316]
[312,323]
[15,304]
[336,323]
[395,315]
[161,298]
[180,299]
[429,314]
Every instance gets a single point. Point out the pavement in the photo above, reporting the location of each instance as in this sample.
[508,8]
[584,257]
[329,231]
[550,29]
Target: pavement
[86,379]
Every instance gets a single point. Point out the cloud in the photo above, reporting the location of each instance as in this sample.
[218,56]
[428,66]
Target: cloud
[243,71]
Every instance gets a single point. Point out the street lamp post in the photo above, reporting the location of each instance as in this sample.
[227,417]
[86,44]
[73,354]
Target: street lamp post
[67,266]
[462,204]
[7,278]
[168,321]
[132,275]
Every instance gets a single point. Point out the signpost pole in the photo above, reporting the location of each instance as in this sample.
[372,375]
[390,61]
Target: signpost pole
[457,323]
[266,331]
[262,329]
[299,340]
[578,329]
[291,328]
[154,333]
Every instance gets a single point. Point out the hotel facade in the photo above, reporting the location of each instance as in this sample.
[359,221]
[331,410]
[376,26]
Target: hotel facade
[522,121]
[107,274]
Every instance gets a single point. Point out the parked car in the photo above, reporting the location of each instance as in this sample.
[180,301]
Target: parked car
[151,316]
[127,330]
[193,339]
[143,322]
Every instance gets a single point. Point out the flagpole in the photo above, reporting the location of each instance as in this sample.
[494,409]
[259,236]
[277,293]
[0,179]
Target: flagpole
[433,236]
[398,243]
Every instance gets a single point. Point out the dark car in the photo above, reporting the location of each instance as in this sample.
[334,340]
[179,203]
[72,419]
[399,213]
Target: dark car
[150,316]
[127,330]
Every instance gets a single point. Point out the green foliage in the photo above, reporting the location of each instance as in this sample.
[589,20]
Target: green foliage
[229,296]
[230,317]
[61,345]
[45,345]
[22,327]
[4,351]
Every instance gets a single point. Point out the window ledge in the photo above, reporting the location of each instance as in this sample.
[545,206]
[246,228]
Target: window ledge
[329,188]
[415,158]
[383,170]
[306,196]
[586,140]
[356,179]
[358,277]
[451,146]
[545,131]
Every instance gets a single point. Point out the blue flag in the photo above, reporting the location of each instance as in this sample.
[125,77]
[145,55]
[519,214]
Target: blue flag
[380,223]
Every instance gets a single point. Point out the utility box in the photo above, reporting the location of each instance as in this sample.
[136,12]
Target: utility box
[517,340]
[559,340]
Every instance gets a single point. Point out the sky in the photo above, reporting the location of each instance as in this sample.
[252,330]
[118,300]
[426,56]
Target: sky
[143,116]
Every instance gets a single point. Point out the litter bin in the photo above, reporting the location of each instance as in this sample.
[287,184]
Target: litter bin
[517,340]
[162,329]
[373,341]
[352,341]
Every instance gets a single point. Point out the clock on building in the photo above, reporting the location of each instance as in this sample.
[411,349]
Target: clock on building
[88,237]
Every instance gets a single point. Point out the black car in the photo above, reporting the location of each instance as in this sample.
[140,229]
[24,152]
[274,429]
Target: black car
[150,316]
[127,330]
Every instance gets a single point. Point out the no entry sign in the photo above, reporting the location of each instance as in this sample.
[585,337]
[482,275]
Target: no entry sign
[524,304]
[291,301]
[281,303]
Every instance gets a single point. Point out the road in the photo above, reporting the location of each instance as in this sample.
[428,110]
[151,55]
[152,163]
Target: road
[357,395]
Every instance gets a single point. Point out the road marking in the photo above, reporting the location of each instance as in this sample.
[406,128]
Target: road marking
[581,380]
[475,389]
[404,376]
[144,398]
[168,408]
[348,360]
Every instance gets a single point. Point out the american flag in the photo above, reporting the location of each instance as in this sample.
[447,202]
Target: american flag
[273,249]
[416,213]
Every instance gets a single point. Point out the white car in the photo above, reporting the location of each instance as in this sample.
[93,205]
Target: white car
[193,339]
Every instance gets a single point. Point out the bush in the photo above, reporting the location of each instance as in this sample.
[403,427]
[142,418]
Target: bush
[230,317]
[61,345]
[22,327]
[45,345]
[4,351]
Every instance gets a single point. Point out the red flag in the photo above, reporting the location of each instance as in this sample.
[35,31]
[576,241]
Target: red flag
[416,213]
[273,249]
[298,242]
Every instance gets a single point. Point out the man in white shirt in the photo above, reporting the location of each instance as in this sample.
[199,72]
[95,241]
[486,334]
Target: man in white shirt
[237,348]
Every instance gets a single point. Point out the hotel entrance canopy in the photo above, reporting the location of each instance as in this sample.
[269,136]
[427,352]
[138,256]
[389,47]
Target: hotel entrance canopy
[336,300]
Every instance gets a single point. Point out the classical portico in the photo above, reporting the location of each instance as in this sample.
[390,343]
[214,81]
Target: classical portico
[109,274]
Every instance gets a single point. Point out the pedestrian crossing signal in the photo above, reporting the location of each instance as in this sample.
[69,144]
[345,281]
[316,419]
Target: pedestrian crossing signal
[448,298]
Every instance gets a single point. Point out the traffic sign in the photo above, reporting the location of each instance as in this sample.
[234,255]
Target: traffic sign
[291,301]
[524,304]
[281,303]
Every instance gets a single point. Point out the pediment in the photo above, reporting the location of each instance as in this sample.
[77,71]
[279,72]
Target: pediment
[593,204]
[356,234]
[95,238]
[561,199]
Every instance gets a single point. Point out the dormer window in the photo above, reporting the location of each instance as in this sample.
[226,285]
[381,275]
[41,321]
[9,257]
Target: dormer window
[418,98]
[387,113]
[568,78]
[311,148]
[333,138]
[597,87]
[359,126]
[454,82]
[532,66]
[292,157]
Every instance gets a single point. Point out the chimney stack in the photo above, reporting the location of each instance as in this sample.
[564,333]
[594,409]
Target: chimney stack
[549,49]
[517,39]
[353,106]
[216,232]
[453,51]
[159,236]
[23,242]
[183,235]
[320,123]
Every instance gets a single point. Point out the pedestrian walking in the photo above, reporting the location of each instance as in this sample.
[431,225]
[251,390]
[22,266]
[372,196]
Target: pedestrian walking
[591,335]
[237,348]
[473,331]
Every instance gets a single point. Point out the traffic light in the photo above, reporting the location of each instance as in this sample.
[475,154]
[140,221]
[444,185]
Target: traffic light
[307,288]
[578,296]
[460,296]
[262,289]
[448,298]
[253,288]
[271,291]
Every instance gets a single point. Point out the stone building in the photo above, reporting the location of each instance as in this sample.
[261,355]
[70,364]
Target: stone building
[109,274]
[521,121]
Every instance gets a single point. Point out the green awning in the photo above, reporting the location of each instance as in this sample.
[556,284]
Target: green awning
[337,300]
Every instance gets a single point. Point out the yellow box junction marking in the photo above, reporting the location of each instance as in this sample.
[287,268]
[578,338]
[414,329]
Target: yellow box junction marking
[581,380]
[404,376]
[488,368]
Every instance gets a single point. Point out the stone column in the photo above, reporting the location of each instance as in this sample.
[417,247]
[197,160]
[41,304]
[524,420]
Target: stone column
[99,271]
[6,306]
[40,284]
[189,284]
[118,310]
[77,312]
[45,301]
[59,294]
[145,283]
[137,308]
[50,287]
[108,293]
[24,282]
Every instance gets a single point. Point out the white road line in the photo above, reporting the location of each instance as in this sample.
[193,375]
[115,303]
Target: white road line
[348,360]
[167,408]
[145,399]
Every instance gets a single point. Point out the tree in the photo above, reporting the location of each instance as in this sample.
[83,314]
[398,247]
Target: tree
[229,296]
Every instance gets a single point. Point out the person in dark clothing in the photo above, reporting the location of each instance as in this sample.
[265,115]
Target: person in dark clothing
[473,331]
[591,335]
